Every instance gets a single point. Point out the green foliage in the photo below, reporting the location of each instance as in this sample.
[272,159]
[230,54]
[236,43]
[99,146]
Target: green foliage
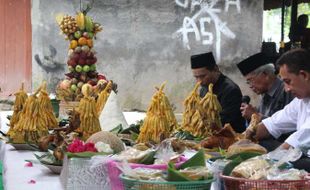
[272,22]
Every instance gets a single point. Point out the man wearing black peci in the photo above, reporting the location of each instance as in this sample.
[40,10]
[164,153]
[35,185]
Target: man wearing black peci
[206,71]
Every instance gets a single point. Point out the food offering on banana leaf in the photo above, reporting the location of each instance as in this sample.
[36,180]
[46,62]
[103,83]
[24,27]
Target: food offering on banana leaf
[21,97]
[89,117]
[160,120]
[202,116]
[81,32]
[31,125]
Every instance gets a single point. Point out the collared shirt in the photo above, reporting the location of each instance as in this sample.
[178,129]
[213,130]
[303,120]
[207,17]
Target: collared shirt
[294,116]
[229,95]
[275,99]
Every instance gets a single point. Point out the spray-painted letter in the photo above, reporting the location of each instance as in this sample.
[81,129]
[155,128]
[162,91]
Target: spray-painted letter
[209,36]
[189,25]
[182,4]
[232,2]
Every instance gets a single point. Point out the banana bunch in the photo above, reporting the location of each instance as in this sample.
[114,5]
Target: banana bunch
[160,120]
[103,97]
[68,25]
[80,20]
[88,114]
[47,108]
[202,119]
[31,125]
[21,97]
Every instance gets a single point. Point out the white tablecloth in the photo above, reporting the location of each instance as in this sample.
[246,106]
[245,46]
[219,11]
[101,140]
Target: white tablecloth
[17,177]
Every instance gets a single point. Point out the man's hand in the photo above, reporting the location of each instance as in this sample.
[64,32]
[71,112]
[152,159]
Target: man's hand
[285,145]
[247,110]
[250,132]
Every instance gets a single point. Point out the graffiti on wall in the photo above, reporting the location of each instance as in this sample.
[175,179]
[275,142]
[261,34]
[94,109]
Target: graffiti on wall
[207,15]
[48,63]
[51,66]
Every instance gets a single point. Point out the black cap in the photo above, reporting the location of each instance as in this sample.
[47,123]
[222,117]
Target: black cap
[253,62]
[203,60]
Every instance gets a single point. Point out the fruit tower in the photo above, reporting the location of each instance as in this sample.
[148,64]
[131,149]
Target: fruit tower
[81,31]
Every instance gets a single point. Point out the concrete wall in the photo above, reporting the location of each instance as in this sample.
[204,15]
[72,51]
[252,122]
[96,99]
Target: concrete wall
[147,42]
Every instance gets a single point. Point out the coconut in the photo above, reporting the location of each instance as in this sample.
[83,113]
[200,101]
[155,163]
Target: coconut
[109,138]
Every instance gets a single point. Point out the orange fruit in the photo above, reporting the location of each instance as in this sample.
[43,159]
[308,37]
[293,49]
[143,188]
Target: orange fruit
[82,41]
[90,43]
[73,44]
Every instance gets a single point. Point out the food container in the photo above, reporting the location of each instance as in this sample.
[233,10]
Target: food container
[133,184]
[233,183]
[78,174]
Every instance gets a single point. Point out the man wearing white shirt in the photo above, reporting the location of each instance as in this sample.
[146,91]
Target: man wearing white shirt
[295,72]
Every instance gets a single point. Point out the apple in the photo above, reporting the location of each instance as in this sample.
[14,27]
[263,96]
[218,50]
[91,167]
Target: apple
[90,35]
[85,48]
[91,82]
[71,68]
[78,68]
[85,34]
[90,54]
[77,34]
[101,77]
[83,77]
[82,61]
[65,84]
[88,62]
[83,55]
[74,81]
[93,67]
[94,60]
[80,84]
[86,68]
[70,52]
[73,87]
[76,57]
[78,49]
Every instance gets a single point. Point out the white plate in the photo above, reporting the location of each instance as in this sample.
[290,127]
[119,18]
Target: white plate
[55,169]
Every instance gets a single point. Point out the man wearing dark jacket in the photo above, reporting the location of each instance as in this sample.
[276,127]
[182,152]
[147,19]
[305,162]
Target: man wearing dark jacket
[206,71]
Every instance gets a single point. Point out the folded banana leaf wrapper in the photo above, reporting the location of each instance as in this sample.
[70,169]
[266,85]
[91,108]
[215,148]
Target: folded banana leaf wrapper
[194,164]
[49,159]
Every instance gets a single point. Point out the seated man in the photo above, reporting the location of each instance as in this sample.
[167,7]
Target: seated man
[260,75]
[206,71]
[295,72]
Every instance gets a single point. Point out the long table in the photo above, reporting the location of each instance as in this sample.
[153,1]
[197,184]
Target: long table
[16,176]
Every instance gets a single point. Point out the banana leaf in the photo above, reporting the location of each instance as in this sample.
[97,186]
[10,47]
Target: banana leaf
[84,154]
[148,159]
[197,160]
[117,129]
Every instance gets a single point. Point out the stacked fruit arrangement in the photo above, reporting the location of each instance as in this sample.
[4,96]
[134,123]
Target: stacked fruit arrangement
[160,120]
[81,32]
[202,116]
